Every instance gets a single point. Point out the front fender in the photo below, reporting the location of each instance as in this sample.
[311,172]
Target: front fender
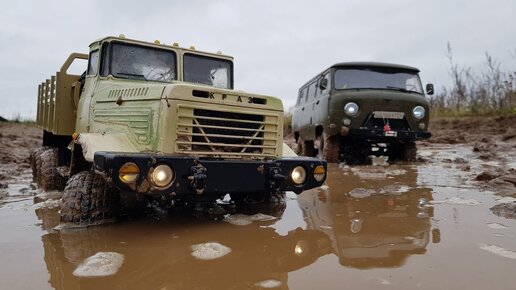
[93,142]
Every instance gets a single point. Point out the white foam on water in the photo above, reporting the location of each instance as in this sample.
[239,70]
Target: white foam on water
[99,265]
[506,199]
[361,192]
[456,201]
[496,226]
[244,220]
[49,203]
[324,187]
[268,284]
[209,251]
[499,251]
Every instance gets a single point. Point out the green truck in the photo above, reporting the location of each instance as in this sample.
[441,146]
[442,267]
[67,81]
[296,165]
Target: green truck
[353,110]
[161,124]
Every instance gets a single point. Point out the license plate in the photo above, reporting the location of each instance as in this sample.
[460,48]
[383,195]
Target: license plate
[388,115]
[390,133]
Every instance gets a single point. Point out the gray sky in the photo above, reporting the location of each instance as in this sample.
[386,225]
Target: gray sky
[277,45]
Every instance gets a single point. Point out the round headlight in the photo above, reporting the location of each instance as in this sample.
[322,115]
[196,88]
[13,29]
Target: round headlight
[418,112]
[128,173]
[161,176]
[298,175]
[351,109]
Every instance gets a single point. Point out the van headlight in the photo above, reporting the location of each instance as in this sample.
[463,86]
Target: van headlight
[161,176]
[418,112]
[351,109]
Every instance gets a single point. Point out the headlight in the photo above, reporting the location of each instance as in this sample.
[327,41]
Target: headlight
[351,109]
[298,175]
[129,172]
[319,173]
[161,176]
[418,112]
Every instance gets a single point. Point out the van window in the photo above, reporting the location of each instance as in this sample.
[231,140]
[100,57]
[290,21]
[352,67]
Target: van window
[301,96]
[328,86]
[312,91]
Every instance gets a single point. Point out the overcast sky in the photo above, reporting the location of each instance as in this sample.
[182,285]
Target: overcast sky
[277,45]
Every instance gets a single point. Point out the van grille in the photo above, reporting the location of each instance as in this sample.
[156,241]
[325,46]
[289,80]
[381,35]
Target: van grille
[224,133]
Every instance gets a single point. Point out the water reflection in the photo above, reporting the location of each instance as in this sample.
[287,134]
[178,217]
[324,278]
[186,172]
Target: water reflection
[381,228]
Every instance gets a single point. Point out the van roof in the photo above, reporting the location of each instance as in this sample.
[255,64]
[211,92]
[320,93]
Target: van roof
[374,64]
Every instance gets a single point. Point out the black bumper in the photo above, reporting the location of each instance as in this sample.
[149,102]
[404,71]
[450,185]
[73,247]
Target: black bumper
[380,135]
[219,176]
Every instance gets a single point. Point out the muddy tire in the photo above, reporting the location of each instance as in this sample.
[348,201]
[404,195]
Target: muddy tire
[329,148]
[34,161]
[404,152]
[89,200]
[356,153]
[48,176]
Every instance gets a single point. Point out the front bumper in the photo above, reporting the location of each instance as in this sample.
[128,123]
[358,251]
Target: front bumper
[379,135]
[218,176]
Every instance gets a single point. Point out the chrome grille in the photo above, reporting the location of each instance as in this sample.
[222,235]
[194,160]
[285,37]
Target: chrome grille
[224,133]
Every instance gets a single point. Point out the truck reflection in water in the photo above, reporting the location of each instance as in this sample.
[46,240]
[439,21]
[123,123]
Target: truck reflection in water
[378,226]
[371,220]
[159,256]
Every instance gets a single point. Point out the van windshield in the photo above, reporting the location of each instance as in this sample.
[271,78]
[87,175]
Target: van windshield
[377,78]
[140,62]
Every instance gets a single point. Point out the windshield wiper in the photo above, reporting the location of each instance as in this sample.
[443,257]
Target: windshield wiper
[132,75]
[401,89]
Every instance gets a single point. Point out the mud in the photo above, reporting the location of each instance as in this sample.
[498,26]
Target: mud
[445,222]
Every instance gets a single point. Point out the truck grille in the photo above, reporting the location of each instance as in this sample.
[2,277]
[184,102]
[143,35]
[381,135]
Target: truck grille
[226,134]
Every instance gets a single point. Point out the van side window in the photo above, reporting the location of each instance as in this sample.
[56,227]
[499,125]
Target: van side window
[300,96]
[312,91]
[326,91]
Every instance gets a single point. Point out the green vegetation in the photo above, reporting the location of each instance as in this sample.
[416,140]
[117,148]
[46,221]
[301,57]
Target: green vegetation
[488,92]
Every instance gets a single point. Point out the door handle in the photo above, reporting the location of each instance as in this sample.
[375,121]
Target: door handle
[317,103]
[302,109]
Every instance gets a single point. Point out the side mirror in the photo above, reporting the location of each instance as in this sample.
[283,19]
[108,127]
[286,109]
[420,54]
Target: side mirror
[429,89]
[323,83]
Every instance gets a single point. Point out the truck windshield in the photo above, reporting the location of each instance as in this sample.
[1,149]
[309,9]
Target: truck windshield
[377,78]
[208,71]
[143,63]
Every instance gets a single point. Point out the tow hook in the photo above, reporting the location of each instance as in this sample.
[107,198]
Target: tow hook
[198,178]
[275,179]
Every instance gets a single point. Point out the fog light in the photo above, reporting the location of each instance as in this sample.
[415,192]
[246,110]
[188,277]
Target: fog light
[422,126]
[161,176]
[129,172]
[319,173]
[346,122]
[298,175]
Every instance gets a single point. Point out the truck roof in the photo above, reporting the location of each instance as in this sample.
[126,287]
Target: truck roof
[159,44]
[374,64]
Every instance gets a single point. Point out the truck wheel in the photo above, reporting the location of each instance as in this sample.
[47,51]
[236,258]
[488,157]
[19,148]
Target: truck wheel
[89,200]
[34,156]
[48,175]
[329,148]
[405,152]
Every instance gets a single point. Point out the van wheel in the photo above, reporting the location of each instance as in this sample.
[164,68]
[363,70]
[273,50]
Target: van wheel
[405,152]
[356,153]
[329,147]
[305,148]
[89,200]
[47,174]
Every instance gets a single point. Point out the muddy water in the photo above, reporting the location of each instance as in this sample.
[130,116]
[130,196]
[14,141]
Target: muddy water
[415,226]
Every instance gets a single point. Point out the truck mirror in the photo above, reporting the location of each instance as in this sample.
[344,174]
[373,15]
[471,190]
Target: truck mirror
[323,83]
[429,89]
